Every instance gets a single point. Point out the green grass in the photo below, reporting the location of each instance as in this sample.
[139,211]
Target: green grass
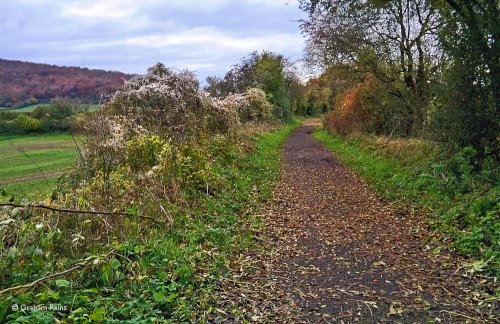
[462,204]
[91,107]
[31,188]
[168,275]
[23,109]
[24,158]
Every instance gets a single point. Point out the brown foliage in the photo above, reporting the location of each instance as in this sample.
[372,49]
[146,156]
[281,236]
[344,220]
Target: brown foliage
[351,112]
[20,81]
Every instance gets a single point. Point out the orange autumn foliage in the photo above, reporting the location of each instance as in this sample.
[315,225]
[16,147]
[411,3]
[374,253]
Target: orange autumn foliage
[351,111]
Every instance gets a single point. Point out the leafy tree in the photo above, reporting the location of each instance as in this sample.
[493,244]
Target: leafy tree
[267,71]
[471,106]
[395,41]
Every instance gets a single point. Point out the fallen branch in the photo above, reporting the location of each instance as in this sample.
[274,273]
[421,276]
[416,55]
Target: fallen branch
[40,280]
[76,211]
[64,210]
[36,282]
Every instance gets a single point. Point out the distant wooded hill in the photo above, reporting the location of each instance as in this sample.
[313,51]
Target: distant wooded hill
[25,83]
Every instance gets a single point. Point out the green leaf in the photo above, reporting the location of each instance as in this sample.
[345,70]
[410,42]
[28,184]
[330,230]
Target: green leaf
[61,283]
[139,249]
[159,296]
[115,264]
[172,297]
[98,315]
[12,254]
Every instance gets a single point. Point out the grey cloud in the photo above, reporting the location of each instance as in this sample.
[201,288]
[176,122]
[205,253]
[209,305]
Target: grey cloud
[215,35]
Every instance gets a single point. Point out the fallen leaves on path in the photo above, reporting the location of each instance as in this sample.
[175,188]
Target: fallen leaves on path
[337,253]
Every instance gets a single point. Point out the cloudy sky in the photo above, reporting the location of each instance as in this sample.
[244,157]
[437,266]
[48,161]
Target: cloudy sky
[131,35]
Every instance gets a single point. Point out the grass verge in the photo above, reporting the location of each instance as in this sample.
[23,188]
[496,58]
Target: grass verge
[464,204]
[169,275]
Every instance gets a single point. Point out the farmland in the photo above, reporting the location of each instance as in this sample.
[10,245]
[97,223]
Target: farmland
[24,158]
[28,109]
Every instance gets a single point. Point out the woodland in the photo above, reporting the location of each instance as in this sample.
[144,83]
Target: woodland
[23,83]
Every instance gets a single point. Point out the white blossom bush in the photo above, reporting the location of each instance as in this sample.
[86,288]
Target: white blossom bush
[106,143]
[171,104]
[251,106]
[162,134]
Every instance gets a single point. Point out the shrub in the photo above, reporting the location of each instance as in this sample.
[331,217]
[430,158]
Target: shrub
[370,106]
[28,124]
[252,106]
[142,152]
[171,104]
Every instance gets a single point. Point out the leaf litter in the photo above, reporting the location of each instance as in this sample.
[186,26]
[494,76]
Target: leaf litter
[332,251]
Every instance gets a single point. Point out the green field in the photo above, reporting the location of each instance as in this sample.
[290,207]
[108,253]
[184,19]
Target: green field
[91,107]
[27,160]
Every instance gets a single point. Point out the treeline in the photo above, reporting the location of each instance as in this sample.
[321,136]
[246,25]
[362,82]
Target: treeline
[410,68]
[60,115]
[280,80]
[24,83]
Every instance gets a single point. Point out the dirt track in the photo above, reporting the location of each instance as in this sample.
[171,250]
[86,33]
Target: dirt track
[337,253]
[345,255]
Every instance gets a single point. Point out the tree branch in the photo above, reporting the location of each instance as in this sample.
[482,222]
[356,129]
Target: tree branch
[76,211]
[39,280]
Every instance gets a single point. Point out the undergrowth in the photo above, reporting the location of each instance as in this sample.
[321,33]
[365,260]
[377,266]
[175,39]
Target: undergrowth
[167,273]
[462,197]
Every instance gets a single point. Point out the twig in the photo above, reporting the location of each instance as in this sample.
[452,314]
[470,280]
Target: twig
[390,135]
[40,280]
[76,211]
[169,218]
[367,305]
[36,282]
[64,210]
[409,290]
[463,315]
[458,300]
[79,152]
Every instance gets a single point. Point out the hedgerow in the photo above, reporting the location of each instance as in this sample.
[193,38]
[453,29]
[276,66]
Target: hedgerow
[143,212]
